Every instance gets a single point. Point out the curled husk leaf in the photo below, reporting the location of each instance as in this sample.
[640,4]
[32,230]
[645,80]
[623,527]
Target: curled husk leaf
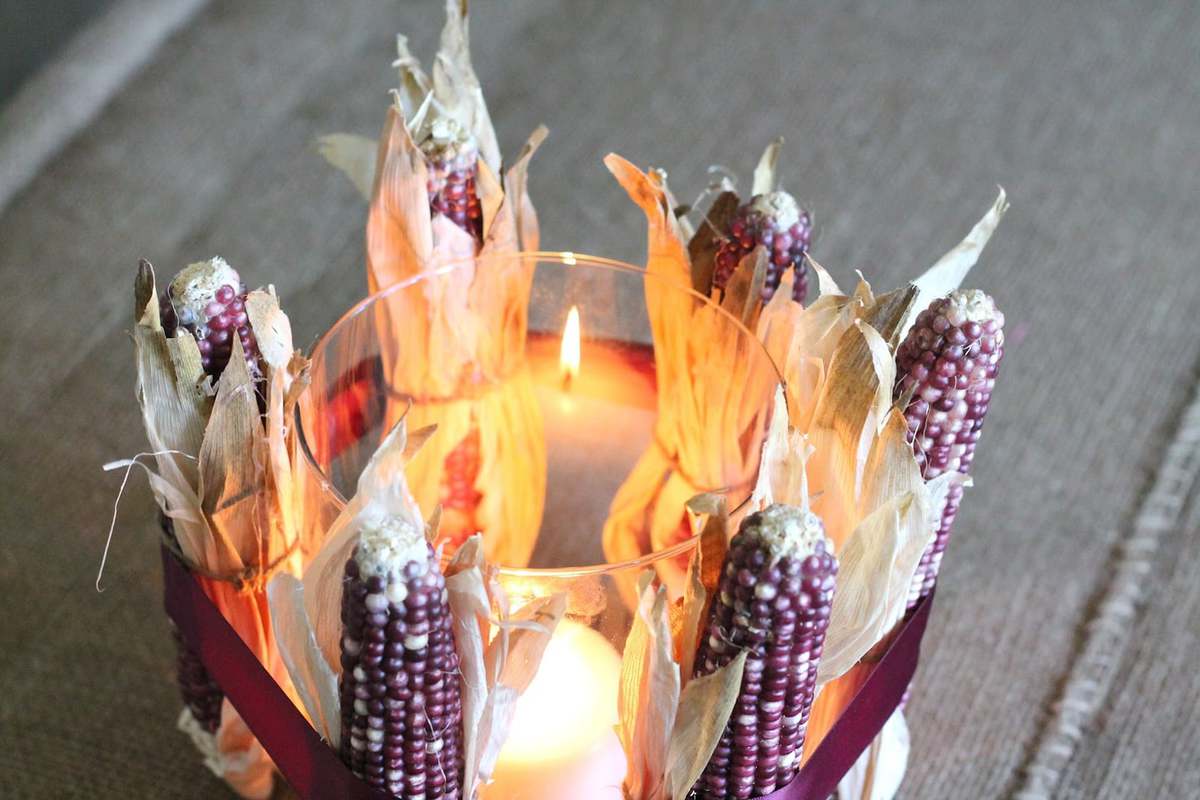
[668,726]
[454,345]
[499,649]
[223,478]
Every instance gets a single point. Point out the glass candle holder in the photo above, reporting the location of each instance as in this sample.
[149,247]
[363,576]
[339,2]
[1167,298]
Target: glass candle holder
[577,374]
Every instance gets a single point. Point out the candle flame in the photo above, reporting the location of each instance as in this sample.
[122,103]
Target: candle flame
[569,358]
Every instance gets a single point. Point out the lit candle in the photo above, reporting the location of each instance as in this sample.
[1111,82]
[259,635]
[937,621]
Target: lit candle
[562,744]
[568,358]
[598,406]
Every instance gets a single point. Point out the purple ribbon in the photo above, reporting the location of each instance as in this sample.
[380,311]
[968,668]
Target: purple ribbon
[310,765]
[866,715]
[314,770]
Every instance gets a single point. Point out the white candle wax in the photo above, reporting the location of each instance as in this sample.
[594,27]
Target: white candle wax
[562,744]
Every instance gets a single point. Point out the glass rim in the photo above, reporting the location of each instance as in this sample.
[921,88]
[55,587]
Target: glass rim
[567,258]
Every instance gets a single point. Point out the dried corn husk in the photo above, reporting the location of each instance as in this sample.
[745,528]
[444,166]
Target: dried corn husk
[455,349]
[232,504]
[711,414]
[499,649]
[669,726]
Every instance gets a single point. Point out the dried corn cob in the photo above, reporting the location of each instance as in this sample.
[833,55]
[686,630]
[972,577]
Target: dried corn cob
[208,299]
[400,694]
[775,221]
[451,158]
[775,597]
[459,497]
[947,368]
[200,692]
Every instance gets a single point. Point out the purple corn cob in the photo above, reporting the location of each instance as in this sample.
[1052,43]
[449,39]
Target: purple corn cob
[400,693]
[451,159]
[947,366]
[776,222]
[200,692]
[776,592]
[208,300]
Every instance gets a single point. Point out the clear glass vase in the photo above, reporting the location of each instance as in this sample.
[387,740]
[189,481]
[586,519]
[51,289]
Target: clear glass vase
[581,469]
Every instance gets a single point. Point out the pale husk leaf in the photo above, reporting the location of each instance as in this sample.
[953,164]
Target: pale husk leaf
[174,408]
[456,87]
[703,580]
[513,658]
[826,285]
[649,693]
[415,85]
[765,174]
[272,329]
[875,569]
[704,709]
[245,765]
[315,681]
[782,476]
[497,666]
[232,471]
[469,605]
[947,274]
[399,230]
[354,155]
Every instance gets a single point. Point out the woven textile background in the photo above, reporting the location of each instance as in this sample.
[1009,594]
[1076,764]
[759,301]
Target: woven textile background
[901,118]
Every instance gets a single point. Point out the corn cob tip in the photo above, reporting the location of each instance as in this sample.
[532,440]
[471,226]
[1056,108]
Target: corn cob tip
[774,601]
[947,365]
[441,136]
[787,531]
[971,305]
[195,284]
[387,544]
[400,695]
[451,158]
[773,220]
[778,206]
[208,299]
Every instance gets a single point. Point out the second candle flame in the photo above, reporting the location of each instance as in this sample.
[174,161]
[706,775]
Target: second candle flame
[569,358]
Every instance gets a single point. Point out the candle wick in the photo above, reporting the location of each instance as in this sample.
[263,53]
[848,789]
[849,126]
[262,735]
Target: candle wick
[568,378]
